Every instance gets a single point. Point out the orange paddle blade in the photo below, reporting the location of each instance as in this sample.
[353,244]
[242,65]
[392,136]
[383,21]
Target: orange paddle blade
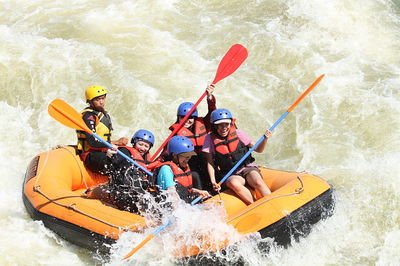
[67,115]
[230,62]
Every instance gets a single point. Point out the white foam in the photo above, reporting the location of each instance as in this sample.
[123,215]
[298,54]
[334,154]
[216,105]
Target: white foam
[152,55]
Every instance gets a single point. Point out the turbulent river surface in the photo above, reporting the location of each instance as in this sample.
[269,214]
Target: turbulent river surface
[154,54]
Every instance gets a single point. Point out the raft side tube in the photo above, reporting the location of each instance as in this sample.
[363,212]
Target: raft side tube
[74,234]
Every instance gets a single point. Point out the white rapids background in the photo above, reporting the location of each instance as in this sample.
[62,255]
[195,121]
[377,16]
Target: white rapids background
[154,54]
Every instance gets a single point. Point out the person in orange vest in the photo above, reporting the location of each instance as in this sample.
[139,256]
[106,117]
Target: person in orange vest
[128,186]
[174,175]
[142,141]
[225,146]
[196,128]
[95,155]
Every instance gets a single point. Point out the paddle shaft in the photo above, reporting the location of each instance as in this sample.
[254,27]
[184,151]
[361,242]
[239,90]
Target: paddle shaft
[232,59]
[229,63]
[181,123]
[260,140]
[147,239]
[109,145]
[68,116]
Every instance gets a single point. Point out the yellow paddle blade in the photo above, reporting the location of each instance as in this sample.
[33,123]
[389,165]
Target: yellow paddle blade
[67,115]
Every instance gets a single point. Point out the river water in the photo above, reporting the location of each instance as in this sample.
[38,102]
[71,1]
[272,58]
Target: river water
[154,54]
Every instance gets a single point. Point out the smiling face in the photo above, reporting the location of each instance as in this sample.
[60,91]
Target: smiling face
[223,129]
[188,123]
[142,146]
[182,159]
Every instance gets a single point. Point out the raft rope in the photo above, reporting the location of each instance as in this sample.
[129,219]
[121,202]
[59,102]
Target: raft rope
[297,191]
[73,207]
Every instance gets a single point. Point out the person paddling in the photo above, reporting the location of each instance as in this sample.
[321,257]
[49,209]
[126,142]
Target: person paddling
[196,128]
[95,155]
[174,175]
[128,187]
[142,141]
[225,146]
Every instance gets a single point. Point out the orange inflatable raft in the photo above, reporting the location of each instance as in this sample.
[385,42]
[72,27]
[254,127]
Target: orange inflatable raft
[56,180]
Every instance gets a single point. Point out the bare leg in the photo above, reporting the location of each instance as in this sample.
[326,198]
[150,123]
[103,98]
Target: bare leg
[256,181]
[236,183]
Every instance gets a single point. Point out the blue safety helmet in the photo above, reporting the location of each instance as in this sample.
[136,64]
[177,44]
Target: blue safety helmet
[180,144]
[185,107]
[144,135]
[221,115]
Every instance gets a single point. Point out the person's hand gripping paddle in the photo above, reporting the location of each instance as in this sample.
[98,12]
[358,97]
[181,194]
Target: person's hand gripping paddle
[296,102]
[229,63]
[68,116]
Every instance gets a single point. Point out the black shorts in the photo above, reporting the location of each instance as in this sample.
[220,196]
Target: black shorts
[243,172]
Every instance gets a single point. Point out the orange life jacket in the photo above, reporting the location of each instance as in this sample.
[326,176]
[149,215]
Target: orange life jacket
[197,136]
[228,151]
[136,156]
[182,177]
